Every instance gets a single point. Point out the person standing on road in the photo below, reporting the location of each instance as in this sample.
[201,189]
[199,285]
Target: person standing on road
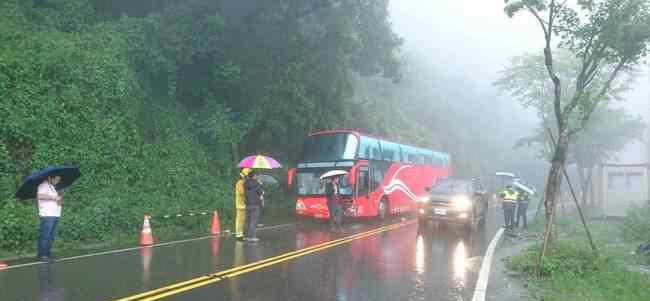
[253,199]
[333,205]
[240,204]
[522,206]
[49,211]
[509,203]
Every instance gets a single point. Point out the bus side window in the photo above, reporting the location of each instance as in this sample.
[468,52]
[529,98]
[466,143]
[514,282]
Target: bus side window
[362,182]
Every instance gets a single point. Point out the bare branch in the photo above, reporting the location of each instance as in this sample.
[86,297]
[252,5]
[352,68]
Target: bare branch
[594,60]
[586,59]
[603,91]
[541,21]
[551,17]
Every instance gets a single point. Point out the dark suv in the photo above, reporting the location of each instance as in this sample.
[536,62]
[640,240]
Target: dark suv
[456,201]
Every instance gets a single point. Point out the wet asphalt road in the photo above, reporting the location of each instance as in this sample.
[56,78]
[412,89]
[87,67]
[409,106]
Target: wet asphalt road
[439,262]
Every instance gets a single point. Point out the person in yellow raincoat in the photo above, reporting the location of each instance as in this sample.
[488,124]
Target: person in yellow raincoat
[240,205]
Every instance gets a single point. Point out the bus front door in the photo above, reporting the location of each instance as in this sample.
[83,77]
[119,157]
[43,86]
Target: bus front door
[362,206]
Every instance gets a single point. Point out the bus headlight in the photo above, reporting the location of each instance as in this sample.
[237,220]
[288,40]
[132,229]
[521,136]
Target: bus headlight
[300,205]
[424,199]
[461,202]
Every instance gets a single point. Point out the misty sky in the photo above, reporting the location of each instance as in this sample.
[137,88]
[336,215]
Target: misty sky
[474,39]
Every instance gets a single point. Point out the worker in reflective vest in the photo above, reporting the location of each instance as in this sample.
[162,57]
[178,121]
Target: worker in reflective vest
[522,206]
[509,197]
[240,206]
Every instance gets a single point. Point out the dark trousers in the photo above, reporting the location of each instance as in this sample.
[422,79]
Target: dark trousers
[509,214]
[336,214]
[252,215]
[521,213]
[46,235]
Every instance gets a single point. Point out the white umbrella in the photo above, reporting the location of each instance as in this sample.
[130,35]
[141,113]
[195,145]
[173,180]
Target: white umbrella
[523,187]
[505,174]
[266,179]
[333,173]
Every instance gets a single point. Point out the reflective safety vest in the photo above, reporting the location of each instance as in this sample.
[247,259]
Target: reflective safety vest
[510,196]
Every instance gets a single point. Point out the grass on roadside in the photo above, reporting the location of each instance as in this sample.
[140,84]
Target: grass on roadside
[572,272]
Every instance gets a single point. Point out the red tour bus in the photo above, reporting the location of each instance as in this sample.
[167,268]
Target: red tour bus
[383,178]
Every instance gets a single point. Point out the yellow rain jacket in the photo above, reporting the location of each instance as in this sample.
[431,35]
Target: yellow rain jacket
[239,194]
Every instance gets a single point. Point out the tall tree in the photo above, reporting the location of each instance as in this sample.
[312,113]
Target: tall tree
[609,131]
[526,79]
[608,37]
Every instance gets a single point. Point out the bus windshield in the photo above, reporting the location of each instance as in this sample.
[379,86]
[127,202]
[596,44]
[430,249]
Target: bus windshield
[330,147]
[309,183]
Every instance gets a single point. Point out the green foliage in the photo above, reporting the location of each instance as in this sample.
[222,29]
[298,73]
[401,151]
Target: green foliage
[636,226]
[611,283]
[156,102]
[566,258]
[19,225]
[571,272]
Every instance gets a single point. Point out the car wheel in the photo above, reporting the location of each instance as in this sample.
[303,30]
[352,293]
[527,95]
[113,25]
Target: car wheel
[470,222]
[382,211]
[481,218]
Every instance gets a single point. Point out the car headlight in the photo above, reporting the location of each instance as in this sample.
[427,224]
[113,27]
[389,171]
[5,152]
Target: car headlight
[461,202]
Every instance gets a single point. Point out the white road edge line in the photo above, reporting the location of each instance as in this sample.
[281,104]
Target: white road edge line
[484,275]
[139,248]
[480,289]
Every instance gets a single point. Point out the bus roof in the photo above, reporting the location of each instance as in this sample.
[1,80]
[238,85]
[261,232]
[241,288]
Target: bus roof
[357,132]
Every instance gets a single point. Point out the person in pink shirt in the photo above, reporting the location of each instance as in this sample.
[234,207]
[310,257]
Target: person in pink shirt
[49,211]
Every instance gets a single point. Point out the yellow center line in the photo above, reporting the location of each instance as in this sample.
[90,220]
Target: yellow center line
[202,278]
[180,287]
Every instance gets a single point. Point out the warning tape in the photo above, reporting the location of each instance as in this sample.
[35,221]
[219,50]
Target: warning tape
[166,216]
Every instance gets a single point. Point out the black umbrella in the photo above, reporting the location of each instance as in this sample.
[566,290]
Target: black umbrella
[68,174]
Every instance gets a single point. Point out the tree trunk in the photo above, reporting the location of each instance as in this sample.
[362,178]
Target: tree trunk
[554,180]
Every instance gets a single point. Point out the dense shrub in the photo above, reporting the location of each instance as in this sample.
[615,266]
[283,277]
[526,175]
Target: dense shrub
[636,226]
[72,96]
[565,257]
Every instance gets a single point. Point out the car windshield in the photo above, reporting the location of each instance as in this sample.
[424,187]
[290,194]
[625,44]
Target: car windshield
[447,186]
[330,147]
[309,183]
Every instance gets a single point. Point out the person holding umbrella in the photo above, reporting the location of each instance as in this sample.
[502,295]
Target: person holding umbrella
[49,211]
[332,194]
[43,185]
[254,201]
[253,193]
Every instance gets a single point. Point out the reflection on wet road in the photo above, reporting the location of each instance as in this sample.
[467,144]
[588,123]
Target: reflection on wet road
[403,264]
[406,263]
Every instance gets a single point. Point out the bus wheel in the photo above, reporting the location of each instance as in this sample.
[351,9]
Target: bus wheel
[383,209]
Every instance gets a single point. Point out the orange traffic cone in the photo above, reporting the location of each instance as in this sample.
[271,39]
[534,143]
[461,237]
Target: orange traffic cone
[3,265]
[146,236]
[216,228]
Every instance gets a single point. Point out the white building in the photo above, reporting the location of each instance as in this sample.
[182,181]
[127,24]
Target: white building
[624,182]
